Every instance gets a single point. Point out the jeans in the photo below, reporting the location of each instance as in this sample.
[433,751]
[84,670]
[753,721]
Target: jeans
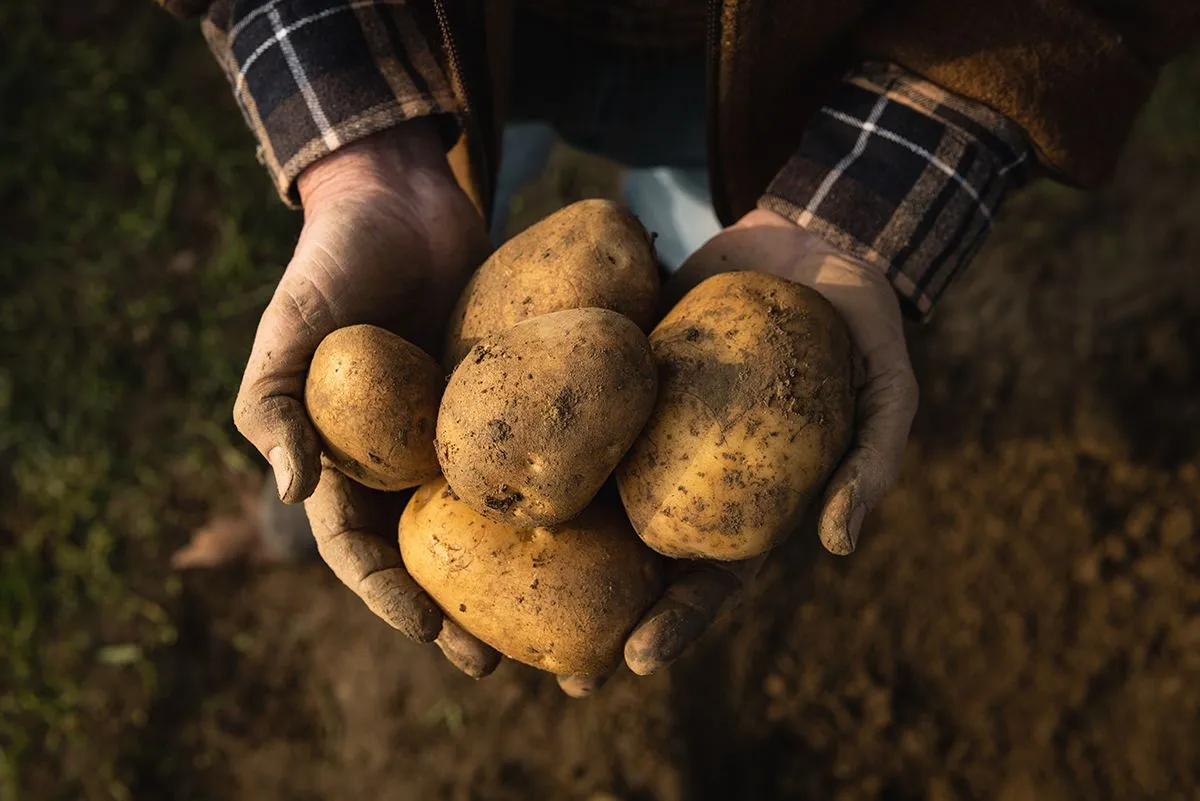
[644,111]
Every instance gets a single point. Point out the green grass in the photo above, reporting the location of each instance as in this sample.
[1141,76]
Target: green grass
[141,240]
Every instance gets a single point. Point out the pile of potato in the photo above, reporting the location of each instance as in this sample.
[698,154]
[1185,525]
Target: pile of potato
[720,428]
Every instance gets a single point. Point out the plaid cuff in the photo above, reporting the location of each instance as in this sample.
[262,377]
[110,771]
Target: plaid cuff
[903,175]
[314,75]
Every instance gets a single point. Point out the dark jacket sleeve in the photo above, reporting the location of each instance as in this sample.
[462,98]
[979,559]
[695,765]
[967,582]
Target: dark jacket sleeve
[903,175]
[908,163]
[311,76]
[1072,73]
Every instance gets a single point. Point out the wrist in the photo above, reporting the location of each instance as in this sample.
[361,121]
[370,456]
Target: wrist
[787,249]
[764,218]
[402,159]
[799,254]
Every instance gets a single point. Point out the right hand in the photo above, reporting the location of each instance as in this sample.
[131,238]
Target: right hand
[389,239]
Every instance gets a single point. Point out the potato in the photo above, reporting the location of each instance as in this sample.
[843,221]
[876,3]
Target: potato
[536,417]
[562,599]
[755,409]
[591,254]
[373,398]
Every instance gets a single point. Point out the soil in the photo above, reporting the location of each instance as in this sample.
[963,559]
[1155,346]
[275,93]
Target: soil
[1021,620]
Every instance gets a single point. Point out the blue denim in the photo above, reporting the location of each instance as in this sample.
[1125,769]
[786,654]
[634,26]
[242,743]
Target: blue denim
[644,111]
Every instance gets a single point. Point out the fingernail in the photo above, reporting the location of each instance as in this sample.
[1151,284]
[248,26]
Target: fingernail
[473,665]
[664,643]
[581,686]
[855,525]
[283,475]
[429,619]
[466,653]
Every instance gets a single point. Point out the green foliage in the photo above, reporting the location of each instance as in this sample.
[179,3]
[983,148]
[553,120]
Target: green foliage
[141,240]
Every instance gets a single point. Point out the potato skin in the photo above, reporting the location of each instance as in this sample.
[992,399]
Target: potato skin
[755,409]
[562,599]
[591,254]
[536,418]
[373,398]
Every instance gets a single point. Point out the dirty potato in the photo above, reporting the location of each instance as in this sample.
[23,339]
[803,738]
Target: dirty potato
[562,598]
[755,409]
[373,398]
[536,417]
[593,253]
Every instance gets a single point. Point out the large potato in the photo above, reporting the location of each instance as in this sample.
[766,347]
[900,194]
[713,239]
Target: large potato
[536,417]
[591,254]
[562,599]
[755,409]
[373,398]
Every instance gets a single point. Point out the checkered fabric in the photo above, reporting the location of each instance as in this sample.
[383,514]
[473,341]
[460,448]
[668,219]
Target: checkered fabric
[314,75]
[903,175]
[893,170]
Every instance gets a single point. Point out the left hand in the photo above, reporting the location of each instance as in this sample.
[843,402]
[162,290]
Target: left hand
[887,401]
[700,591]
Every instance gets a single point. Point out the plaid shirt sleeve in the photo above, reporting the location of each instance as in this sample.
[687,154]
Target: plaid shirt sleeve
[312,76]
[903,175]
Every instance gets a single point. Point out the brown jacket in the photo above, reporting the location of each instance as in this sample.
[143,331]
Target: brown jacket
[894,129]
[1072,73]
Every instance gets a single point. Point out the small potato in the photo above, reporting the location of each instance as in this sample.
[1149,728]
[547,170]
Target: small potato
[536,417]
[373,398]
[755,410]
[562,599]
[591,254]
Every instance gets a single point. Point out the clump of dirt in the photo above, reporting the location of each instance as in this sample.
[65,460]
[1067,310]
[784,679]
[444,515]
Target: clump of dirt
[562,409]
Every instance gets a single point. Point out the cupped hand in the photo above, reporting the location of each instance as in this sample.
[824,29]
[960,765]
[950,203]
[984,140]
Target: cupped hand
[388,239]
[700,591]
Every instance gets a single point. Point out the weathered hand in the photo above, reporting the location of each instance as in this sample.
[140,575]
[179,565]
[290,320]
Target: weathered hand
[887,401]
[862,296]
[388,239]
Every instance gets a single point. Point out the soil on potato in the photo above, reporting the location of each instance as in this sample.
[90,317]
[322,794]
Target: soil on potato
[1021,621]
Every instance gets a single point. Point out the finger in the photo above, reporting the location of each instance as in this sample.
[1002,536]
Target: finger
[355,532]
[310,302]
[581,686]
[269,410]
[466,652]
[887,404]
[692,601]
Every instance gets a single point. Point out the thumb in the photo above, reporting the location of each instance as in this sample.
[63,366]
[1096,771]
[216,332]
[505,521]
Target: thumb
[887,404]
[269,410]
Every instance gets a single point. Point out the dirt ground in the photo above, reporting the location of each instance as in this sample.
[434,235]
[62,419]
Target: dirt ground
[1022,620]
